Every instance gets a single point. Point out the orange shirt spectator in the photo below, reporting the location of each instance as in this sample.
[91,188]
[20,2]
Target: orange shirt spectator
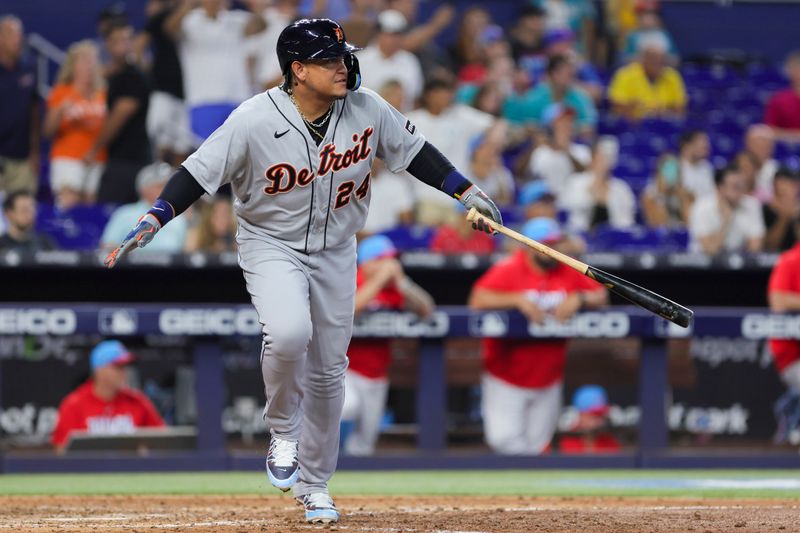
[76,111]
[80,122]
[104,405]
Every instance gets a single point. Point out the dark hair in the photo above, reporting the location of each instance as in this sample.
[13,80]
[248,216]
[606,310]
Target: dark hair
[721,172]
[556,62]
[114,25]
[530,11]
[439,82]
[786,172]
[11,200]
[688,136]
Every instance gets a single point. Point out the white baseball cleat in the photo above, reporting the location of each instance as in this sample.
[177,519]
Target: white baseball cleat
[283,468]
[319,508]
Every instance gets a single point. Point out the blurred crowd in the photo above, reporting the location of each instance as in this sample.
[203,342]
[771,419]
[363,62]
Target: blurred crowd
[578,110]
[579,118]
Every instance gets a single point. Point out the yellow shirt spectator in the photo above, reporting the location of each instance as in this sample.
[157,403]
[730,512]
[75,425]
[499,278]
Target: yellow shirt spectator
[637,96]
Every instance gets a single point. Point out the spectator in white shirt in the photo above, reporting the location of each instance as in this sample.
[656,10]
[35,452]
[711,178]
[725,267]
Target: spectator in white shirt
[451,128]
[385,59]
[278,14]
[729,220]
[697,174]
[213,52]
[760,143]
[560,157]
[595,197]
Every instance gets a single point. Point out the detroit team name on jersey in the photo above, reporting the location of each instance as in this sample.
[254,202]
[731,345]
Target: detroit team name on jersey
[309,197]
[283,177]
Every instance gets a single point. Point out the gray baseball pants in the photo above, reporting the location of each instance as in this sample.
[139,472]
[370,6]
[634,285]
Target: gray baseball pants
[305,304]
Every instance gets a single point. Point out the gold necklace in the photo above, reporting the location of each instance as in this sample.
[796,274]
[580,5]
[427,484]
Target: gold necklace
[312,126]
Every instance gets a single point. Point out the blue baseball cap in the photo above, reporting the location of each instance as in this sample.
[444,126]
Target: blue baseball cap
[375,247]
[542,229]
[110,353]
[533,192]
[590,399]
[557,35]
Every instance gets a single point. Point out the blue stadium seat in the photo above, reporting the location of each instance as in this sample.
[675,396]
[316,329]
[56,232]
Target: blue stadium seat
[407,238]
[637,238]
[79,228]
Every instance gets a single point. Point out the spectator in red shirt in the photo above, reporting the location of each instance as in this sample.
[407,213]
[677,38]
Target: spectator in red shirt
[522,378]
[590,432]
[104,405]
[784,297]
[456,236]
[783,109]
[380,284]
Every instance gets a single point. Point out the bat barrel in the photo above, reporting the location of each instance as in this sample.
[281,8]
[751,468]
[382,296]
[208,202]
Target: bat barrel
[644,298]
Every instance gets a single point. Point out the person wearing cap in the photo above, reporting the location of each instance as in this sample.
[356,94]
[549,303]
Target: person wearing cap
[590,434]
[648,87]
[105,405]
[149,183]
[559,87]
[385,59]
[559,157]
[536,200]
[381,284]
[522,379]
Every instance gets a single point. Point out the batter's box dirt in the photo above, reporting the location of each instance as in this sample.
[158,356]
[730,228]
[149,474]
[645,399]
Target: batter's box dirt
[396,514]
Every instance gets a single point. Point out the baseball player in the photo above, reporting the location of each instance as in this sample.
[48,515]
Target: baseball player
[298,159]
[522,379]
[380,284]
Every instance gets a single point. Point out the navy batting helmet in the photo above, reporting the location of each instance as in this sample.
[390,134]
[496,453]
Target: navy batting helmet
[317,39]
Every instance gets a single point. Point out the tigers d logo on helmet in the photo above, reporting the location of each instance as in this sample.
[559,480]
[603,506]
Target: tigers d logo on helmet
[339,34]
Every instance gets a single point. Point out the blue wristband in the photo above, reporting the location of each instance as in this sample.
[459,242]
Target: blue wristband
[455,184]
[163,211]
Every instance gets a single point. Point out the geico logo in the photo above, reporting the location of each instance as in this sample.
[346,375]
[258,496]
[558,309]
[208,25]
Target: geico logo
[584,325]
[774,326]
[38,321]
[401,325]
[209,322]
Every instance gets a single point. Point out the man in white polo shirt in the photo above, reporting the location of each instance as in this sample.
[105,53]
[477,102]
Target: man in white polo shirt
[385,59]
[211,42]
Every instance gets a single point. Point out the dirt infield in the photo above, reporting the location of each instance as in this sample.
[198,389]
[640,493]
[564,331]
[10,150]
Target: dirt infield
[396,514]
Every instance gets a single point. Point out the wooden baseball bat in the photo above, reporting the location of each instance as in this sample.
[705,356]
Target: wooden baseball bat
[640,296]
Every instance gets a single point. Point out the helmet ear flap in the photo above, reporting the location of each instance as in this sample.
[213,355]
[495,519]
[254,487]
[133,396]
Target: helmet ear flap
[353,72]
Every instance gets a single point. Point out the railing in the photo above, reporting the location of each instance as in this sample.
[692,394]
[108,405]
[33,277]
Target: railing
[46,52]
[206,324]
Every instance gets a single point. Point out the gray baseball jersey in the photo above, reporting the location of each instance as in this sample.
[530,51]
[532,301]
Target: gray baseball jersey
[309,197]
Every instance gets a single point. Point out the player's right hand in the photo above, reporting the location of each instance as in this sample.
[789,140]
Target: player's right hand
[476,198]
[140,236]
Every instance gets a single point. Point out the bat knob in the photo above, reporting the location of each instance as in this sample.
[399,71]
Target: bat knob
[472,214]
